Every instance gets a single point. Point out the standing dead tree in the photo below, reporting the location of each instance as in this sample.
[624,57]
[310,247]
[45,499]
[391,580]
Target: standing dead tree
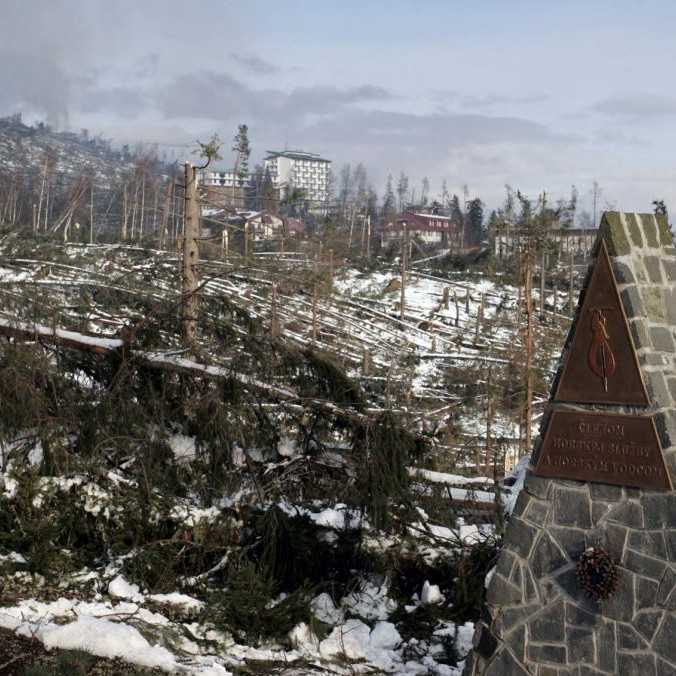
[191,233]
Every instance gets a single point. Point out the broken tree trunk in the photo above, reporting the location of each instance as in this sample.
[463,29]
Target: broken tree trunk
[190,258]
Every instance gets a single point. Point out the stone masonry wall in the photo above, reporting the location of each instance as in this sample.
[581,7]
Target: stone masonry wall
[536,620]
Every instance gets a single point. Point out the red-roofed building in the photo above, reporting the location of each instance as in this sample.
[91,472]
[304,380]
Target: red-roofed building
[294,227]
[430,229]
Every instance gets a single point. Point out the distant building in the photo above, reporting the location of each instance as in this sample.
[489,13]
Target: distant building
[225,179]
[294,227]
[306,171]
[263,225]
[510,240]
[430,229]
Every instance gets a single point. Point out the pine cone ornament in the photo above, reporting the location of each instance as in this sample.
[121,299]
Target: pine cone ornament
[597,573]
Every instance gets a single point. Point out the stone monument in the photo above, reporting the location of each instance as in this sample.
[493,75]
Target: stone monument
[585,583]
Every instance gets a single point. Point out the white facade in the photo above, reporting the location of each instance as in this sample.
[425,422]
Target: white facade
[225,179]
[306,171]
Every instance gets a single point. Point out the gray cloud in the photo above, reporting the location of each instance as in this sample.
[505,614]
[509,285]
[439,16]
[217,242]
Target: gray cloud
[499,100]
[636,107]
[209,95]
[254,64]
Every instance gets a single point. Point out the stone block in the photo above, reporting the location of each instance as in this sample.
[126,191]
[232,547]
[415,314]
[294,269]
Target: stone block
[623,273]
[665,422]
[614,540]
[546,557]
[620,606]
[665,669]
[646,592]
[653,302]
[646,623]
[554,654]
[657,388]
[606,652]
[520,537]
[662,339]
[578,617]
[605,492]
[513,617]
[650,543]
[580,645]
[639,333]
[567,582]
[599,511]
[671,384]
[537,511]
[505,665]
[516,640]
[628,639]
[650,230]
[670,536]
[631,300]
[643,565]
[634,229]
[537,485]
[530,589]
[670,301]
[502,592]
[636,664]
[653,359]
[659,509]
[669,265]
[665,235]
[548,625]
[516,578]
[666,588]
[653,268]
[487,643]
[612,231]
[665,643]
[521,504]
[627,514]
[570,540]
[572,508]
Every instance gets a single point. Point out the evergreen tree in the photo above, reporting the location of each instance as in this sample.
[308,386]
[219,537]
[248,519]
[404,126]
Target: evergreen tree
[424,193]
[402,190]
[389,202]
[242,150]
[475,222]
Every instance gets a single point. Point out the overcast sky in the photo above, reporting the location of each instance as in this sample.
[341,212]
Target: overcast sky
[539,95]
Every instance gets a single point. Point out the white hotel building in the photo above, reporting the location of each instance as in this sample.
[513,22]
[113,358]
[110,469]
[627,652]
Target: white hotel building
[306,171]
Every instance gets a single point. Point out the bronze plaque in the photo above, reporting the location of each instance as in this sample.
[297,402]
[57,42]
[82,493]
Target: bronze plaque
[607,448]
[601,366]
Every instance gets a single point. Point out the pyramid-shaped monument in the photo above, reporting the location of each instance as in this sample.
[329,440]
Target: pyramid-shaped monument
[585,583]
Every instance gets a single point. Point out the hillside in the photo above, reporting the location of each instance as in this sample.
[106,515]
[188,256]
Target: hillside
[310,489]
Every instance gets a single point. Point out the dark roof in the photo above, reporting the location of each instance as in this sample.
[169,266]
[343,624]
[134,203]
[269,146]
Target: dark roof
[295,155]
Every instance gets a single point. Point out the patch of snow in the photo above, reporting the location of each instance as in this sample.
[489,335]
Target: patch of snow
[108,639]
[431,594]
[176,599]
[325,610]
[370,602]
[183,447]
[519,475]
[119,588]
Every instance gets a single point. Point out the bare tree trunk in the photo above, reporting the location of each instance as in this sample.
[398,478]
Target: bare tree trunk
[571,310]
[489,419]
[42,191]
[91,213]
[528,414]
[404,265]
[124,213]
[190,257]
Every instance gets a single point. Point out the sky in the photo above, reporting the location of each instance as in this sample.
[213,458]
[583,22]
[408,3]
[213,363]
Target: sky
[538,96]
